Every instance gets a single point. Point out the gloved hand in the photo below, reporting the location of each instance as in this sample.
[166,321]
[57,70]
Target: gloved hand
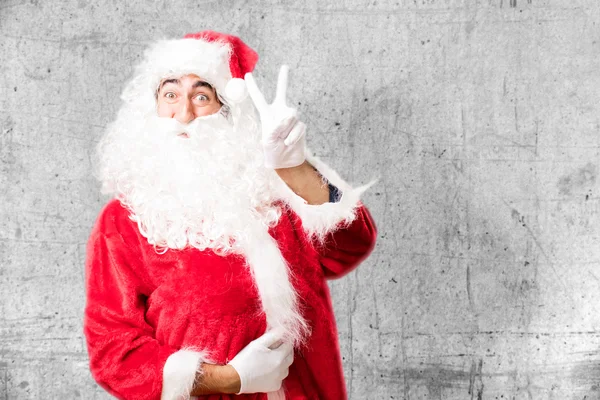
[263,363]
[283,136]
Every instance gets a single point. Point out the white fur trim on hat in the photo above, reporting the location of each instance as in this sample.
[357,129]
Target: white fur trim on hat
[235,90]
[319,220]
[179,374]
[175,58]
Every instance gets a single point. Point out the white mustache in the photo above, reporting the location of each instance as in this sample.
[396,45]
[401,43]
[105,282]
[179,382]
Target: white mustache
[171,126]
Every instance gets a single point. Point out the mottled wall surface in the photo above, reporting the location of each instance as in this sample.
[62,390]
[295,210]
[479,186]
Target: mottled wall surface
[481,119]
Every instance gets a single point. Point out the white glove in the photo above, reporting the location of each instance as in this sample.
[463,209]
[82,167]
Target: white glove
[263,363]
[283,136]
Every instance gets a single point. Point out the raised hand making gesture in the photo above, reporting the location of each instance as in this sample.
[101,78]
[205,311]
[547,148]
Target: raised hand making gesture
[283,135]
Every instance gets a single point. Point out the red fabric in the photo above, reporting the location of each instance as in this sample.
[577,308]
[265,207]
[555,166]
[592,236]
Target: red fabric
[143,306]
[242,59]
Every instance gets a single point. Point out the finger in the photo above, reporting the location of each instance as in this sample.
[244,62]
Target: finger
[286,350]
[282,83]
[255,93]
[285,127]
[270,338]
[296,134]
[289,359]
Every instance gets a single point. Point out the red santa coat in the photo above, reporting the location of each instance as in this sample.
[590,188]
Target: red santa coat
[143,308]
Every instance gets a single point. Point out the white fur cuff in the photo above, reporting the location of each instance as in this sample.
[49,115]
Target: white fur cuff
[179,374]
[319,220]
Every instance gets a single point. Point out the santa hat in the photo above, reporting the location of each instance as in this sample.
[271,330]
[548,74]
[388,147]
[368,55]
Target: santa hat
[220,59]
[242,60]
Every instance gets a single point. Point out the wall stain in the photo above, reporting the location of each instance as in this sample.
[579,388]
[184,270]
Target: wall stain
[438,377]
[470,290]
[582,178]
[587,374]
[475,381]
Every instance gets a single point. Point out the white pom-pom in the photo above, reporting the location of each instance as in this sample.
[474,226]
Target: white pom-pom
[235,90]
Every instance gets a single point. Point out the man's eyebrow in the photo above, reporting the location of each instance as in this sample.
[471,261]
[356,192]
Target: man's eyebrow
[163,83]
[201,84]
[198,83]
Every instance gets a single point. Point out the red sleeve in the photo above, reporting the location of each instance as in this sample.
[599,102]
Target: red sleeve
[346,247]
[125,358]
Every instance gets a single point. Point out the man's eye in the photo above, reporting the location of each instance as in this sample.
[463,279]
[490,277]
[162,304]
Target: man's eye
[170,95]
[201,97]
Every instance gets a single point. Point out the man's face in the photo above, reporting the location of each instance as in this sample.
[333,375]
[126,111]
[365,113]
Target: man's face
[186,98]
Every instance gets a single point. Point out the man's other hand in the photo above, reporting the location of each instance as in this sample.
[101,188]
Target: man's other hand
[263,364]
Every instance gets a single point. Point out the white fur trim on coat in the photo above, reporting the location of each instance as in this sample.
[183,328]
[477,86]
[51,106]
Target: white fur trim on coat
[319,220]
[278,395]
[179,374]
[273,281]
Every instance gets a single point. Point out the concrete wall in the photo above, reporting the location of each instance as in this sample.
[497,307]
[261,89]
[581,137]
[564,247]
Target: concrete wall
[480,117]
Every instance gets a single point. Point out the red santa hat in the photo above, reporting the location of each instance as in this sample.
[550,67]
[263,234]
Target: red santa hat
[220,59]
[242,60]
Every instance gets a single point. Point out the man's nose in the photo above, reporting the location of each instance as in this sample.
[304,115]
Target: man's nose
[185,114]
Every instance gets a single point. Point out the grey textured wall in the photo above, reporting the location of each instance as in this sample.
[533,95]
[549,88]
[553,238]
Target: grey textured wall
[480,117]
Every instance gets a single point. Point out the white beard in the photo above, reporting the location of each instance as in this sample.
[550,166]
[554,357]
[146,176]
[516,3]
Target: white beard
[206,191]
[209,191]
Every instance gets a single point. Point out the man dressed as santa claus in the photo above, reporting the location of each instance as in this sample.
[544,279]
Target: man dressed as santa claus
[206,273]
